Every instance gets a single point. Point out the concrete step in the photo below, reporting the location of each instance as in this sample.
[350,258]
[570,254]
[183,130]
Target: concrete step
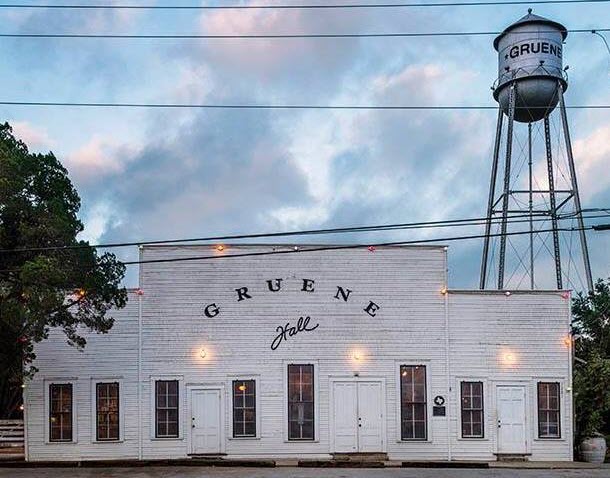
[360,457]
[513,457]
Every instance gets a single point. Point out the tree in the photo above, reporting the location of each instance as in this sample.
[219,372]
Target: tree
[591,325]
[71,288]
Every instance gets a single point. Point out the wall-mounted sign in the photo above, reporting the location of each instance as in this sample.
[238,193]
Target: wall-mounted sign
[438,411]
[439,400]
[283,332]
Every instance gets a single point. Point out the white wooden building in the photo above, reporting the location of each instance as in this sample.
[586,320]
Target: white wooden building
[306,354]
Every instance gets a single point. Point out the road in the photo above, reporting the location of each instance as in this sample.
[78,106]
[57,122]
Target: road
[208,472]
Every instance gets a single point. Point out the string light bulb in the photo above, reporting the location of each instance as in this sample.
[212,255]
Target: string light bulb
[371,248]
[202,353]
[444,291]
[242,387]
[220,248]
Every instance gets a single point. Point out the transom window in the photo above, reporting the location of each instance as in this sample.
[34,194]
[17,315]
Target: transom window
[548,410]
[300,402]
[413,406]
[472,409]
[244,408]
[60,412]
[166,408]
[107,411]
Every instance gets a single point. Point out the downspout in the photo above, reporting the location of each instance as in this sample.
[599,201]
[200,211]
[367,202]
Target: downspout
[447,362]
[570,390]
[140,437]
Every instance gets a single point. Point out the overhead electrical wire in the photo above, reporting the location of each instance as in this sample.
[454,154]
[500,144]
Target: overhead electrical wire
[362,229]
[293,7]
[271,36]
[71,104]
[355,246]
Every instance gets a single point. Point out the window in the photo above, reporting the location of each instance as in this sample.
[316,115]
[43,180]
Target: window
[413,413]
[472,409]
[548,410]
[244,408]
[166,408]
[60,412]
[107,411]
[300,402]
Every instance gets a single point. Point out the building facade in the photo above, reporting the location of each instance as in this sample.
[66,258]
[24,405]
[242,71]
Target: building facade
[305,354]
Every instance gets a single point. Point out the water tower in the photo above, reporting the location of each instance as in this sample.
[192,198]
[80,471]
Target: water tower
[524,209]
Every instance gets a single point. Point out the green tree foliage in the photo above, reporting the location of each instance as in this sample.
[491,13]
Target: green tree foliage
[591,326]
[71,289]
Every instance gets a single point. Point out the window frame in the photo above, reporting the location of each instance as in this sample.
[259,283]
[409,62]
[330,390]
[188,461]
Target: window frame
[153,406]
[482,409]
[47,410]
[539,410]
[316,399]
[256,435]
[94,431]
[426,365]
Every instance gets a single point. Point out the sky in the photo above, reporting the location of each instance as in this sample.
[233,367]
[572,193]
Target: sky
[146,174]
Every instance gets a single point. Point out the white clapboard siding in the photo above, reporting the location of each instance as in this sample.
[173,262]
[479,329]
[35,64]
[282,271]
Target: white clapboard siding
[106,357]
[533,327]
[410,327]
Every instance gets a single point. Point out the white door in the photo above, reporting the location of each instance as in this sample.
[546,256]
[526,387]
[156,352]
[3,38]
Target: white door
[369,417]
[510,402]
[345,396]
[206,423]
[358,420]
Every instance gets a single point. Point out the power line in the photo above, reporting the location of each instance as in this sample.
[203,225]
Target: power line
[355,246]
[293,7]
[69,104]
[273,36]
[373,228]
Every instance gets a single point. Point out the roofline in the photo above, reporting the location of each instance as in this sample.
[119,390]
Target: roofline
[292,244]
[509,291]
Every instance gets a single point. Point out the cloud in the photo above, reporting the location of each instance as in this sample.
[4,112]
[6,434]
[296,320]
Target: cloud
[98,159]
[36,138]
[593,156]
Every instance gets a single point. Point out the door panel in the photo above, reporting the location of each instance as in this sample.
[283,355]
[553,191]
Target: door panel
[369,417]
[345,417]
[206,424]
[510,402]
[357,413]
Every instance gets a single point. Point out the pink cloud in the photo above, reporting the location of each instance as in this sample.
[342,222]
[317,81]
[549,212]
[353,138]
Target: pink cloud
[36,138]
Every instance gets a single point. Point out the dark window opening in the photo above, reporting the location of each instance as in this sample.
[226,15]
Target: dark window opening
[244,408]
[472,409]
[60,412]
[166,409]
[548,410]
[107,411]
[413,406]
[300,402]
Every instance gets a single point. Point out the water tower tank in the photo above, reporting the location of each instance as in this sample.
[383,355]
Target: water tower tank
[530,54]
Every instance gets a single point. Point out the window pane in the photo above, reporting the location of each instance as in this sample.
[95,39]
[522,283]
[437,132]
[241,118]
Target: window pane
[244,408]
[60,412]
[472,409]
[167,408]
[413,402]
[300,402]
[549,417]
[107,411]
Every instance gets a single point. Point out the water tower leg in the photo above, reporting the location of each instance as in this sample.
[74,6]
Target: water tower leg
[490,202]
[512,98]
[531,203]
[553,202]
[581,224]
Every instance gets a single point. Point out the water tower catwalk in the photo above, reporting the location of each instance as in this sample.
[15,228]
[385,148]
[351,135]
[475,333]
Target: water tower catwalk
[534,210]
